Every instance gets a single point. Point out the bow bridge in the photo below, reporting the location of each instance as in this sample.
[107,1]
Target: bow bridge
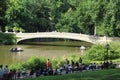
[65,35]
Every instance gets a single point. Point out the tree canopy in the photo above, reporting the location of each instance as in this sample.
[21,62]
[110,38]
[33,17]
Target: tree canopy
[80,16]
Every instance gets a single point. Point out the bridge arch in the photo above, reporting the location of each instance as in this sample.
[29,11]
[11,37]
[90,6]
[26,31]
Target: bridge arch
[64,35]
[50,37]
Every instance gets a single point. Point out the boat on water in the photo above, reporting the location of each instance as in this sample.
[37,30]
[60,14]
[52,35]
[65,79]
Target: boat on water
[16,50]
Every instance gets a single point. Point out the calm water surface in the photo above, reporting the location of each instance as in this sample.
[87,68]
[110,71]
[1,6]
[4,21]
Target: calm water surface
[48,51]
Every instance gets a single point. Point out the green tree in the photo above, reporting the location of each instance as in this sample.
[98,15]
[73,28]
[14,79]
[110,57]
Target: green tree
[3,7]
[31,15]
[58,8]
[109,20]
[80,16]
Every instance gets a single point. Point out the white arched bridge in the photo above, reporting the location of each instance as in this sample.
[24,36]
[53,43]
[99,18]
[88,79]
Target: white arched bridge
[65,35]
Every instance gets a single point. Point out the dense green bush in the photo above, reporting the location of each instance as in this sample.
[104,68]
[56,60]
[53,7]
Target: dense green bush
[115,50]
[32,63]
[74,57]
[7,38]
[98,52]
[16,66]
[35,63]
[56,62]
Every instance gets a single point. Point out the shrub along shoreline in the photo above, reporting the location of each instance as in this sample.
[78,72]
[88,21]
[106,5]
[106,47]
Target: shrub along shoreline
[98,52]
[7,38]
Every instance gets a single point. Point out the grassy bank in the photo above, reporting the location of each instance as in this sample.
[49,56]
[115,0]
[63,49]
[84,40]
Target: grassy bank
[110,74]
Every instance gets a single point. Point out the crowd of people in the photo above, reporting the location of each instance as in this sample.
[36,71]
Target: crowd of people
[69,67]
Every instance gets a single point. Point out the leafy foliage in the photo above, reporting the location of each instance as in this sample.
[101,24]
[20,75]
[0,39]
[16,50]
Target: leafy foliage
[35,63]
[98,52]
[7,38]
[81,16]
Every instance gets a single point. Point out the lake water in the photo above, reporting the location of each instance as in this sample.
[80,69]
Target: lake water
[48,51]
